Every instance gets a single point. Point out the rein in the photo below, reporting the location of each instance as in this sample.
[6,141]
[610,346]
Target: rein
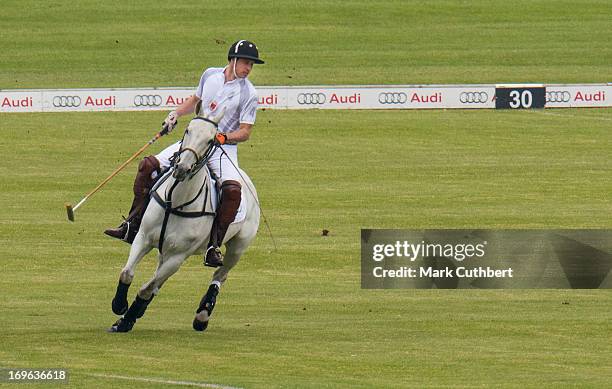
[253,195]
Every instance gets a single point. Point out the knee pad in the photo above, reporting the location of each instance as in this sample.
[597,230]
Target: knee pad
[144,179]
[230,190]
[148,165]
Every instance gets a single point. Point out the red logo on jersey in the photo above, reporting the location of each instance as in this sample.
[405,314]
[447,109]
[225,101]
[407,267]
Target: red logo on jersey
[213,105]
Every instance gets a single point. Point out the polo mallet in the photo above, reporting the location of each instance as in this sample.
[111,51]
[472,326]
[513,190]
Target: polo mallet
[70,209]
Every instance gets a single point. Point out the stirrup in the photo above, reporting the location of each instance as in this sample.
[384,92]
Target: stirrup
[126,231]
[213,257]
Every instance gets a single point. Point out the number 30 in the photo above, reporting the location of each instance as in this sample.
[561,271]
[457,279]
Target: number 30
[519,100]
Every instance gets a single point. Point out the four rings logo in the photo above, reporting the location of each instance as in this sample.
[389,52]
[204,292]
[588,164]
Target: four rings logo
[66,101]
[147,100]
[473,97]
[392,97]
[311,98]
[558,97]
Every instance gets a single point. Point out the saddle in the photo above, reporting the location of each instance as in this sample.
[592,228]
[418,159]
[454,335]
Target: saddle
[203,197]
[209,205]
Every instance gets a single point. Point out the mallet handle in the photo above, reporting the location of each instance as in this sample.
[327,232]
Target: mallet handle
[79,203]
[123,165]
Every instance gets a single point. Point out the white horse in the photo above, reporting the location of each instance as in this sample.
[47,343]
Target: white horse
[180,226]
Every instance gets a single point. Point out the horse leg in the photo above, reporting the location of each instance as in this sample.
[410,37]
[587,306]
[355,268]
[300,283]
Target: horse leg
[126,323]
[139,249]
[120,302]
[144,296]
[137,252]
[153,292]
[207,304]
[164,271]
[234,250]
[166,268]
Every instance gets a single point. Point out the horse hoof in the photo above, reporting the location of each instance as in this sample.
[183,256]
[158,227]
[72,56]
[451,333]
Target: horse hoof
[200,321]
[112,330]
[119,307]
[121,325]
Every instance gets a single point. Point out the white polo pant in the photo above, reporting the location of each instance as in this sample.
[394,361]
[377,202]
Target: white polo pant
[219,162]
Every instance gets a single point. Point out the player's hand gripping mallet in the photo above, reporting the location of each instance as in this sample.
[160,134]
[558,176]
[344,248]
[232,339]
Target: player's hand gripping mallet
[70,209]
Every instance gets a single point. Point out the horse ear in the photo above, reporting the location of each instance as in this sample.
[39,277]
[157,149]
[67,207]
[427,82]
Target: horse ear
[198,108]
[217,118]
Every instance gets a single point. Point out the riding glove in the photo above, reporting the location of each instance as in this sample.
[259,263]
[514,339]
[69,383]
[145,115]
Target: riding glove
[170,121]
[220,138]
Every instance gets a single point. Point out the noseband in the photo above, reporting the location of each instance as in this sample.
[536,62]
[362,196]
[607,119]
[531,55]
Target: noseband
[197,157]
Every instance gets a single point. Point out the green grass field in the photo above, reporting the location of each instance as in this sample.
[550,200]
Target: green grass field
[295,316]
[168,43]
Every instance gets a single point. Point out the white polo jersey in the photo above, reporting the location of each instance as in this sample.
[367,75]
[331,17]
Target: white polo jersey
[238,96]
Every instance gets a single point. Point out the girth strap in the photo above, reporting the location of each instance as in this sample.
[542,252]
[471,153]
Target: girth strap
[176,212]
[166,205]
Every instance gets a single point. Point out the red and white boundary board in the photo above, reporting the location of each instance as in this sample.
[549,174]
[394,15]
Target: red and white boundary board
[303,97]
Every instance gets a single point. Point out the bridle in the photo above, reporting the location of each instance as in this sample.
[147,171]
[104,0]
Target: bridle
[190,149]
[200,160]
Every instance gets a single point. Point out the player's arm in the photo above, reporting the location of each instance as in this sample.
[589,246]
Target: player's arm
[241,135]
[188,106]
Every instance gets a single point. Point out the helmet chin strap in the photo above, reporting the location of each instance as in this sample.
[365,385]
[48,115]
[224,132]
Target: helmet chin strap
[234,60]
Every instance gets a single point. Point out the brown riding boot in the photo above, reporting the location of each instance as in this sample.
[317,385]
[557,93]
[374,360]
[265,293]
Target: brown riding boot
[230,201]
[142,185]
[129,228]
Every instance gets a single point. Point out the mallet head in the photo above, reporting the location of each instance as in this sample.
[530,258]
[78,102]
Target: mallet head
[70,212]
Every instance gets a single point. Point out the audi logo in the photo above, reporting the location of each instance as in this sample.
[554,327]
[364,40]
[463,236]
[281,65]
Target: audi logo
[311,98]
[392,97]
[66,101]
[558,97]
[473,97]
[147,100]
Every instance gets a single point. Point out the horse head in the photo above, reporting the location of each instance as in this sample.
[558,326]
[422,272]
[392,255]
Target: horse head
[197,145]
